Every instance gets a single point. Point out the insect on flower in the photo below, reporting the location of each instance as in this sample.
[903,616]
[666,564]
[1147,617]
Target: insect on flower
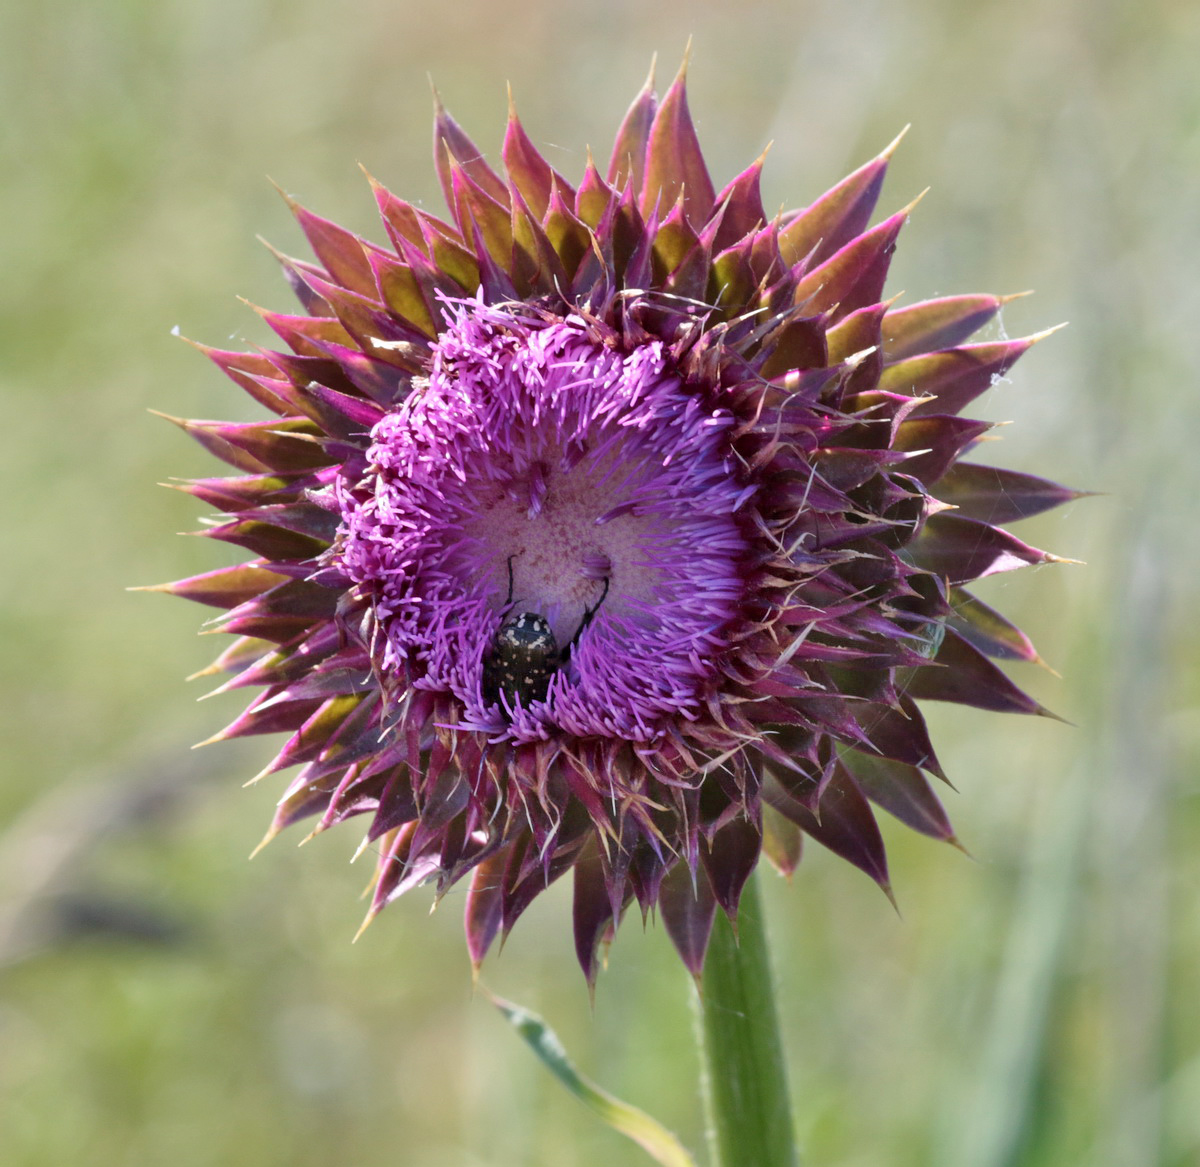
[728,474]
[525,653]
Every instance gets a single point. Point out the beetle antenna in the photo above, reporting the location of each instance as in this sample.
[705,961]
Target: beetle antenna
[588,613]
[510,580]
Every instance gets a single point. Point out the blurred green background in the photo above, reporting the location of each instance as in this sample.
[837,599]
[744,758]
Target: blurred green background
[161,1001]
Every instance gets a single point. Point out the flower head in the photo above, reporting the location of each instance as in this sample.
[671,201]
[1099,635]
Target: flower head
[614,528]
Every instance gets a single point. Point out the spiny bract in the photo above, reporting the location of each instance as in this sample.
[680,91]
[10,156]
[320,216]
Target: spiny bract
[615,529]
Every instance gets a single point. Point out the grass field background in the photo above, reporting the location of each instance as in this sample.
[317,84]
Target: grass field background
[162,1001]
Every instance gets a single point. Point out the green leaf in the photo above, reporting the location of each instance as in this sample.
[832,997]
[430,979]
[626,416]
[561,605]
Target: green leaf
[654,1138]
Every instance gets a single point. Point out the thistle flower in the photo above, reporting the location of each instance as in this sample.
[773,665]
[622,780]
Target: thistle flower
[615,529]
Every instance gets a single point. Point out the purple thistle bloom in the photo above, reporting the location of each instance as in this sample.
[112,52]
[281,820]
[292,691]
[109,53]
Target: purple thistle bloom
[614,529]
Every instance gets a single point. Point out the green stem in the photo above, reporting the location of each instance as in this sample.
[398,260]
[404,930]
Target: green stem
[746,1092]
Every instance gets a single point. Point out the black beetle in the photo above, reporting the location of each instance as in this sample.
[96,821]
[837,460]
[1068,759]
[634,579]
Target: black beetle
[525,654]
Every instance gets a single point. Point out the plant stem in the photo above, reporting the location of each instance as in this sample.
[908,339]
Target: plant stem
[746,1094]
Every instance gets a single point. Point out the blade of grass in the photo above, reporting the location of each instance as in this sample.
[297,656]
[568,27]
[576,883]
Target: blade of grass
[649,1134]
[990,1128]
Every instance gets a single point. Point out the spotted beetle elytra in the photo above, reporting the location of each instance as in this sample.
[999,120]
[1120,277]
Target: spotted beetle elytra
[525,654]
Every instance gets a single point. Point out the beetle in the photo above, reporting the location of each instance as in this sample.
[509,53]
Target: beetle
[524,653]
